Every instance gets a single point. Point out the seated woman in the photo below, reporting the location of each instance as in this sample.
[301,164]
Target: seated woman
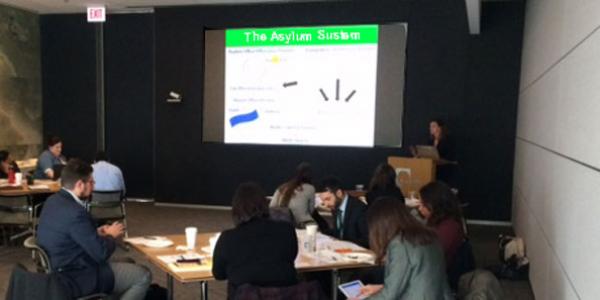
[383,183]
[258,251]
[6,164]
[49,159]
[414,260]
[439,207]
[297,194]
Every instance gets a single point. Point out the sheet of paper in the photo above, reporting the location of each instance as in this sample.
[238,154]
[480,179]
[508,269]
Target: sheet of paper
[144,239]
[39,187]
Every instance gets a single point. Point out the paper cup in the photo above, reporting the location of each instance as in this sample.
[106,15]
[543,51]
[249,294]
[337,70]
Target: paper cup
[18,178]
[190,237]
[311,229]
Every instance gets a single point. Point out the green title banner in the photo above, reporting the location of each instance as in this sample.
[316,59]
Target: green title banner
[302,36]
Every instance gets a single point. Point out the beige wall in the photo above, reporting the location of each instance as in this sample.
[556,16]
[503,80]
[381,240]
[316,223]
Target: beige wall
[20,83]
[556,194]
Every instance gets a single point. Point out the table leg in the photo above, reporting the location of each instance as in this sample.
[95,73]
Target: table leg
[169,287]
[204,290]
[335,281]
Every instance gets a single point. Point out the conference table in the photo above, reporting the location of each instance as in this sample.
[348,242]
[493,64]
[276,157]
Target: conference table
[22,196]
[39,186]
[305,261]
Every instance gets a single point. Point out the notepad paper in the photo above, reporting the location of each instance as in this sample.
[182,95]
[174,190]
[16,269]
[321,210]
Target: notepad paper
[39,187]
[142,240]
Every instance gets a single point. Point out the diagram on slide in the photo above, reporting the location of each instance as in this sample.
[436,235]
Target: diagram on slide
[302,86]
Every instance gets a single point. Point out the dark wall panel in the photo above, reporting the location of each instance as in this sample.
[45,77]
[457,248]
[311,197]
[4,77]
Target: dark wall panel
[444,68]
[69,82]
[436,69]
[471,81]
[489,126]
[129,75]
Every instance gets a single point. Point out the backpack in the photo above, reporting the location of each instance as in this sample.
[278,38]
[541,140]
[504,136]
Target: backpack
[514,263]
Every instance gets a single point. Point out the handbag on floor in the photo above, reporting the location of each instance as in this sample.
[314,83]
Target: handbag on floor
[514,263]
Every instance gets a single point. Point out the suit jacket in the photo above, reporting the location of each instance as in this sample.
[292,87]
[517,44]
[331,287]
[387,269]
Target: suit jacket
[355,223]
[77,253]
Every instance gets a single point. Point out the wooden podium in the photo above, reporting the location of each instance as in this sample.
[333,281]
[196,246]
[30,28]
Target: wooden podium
[412,173]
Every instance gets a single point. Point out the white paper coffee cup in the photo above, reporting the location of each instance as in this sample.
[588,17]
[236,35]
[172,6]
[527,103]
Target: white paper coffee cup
[190,237]
[18,178]
[311,229]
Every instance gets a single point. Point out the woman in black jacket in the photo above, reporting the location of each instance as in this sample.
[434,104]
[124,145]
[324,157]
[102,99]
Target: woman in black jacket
[258,251]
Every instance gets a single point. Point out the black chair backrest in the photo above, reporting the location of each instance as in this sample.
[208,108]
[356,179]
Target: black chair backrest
[26,285]
[283,214]
[464,262]
[301,291]
[15,204]
[106,197]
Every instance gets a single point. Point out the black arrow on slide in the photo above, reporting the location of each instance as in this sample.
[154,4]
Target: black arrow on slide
[288,84]
[337,92]
[350,96]
[337,89]
[323,94]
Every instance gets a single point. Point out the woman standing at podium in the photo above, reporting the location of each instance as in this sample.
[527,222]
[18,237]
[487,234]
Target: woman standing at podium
[439,138]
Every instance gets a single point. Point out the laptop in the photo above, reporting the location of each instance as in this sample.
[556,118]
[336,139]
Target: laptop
[426,151]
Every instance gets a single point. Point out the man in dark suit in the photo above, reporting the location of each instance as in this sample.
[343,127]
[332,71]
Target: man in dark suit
[349,213]
[79,251]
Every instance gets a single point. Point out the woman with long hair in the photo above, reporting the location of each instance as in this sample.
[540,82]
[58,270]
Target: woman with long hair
[6,164]
[383,183]
[439,138]
[442,141]
[297,194]
[413,258]
[440,208]
[258,251]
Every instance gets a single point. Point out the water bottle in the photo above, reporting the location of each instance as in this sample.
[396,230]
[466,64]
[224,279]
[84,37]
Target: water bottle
[11,175]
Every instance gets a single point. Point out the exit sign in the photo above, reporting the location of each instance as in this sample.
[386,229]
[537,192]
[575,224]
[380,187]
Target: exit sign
[96,14]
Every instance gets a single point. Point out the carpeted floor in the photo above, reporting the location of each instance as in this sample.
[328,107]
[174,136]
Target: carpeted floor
[145,219]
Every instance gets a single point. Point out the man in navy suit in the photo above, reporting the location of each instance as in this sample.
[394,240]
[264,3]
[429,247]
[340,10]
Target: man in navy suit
[79,251]
[349,213]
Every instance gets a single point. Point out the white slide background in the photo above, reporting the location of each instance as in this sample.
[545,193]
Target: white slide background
[299,114]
